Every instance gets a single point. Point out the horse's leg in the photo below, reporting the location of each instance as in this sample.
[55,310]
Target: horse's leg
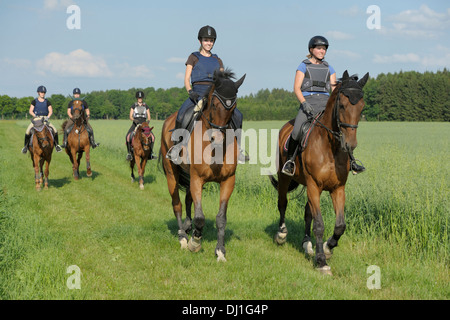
[141,170]
[196,187]
[187,225]
[172,183]
[318,226]
[41,169]
[80,155]
[306,243]
[226,188]
[283,186]
[46,173]
[132,163]
[37,179]
[88,161]
[338,198]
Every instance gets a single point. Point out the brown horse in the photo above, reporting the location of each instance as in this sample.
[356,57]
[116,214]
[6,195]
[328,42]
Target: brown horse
[323,165]
[210,156]
[78,140]
[41,150]
[142,143]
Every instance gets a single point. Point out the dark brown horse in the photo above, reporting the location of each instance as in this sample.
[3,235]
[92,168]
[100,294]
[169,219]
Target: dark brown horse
[323,165]
[78,140]
[142,144]
[41,150]
[211,155]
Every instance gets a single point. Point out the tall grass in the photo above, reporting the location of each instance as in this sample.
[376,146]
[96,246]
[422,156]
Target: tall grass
[125,240]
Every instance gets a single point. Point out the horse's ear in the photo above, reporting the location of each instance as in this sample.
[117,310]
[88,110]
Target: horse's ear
[238,83]
[345,75]
[363,80]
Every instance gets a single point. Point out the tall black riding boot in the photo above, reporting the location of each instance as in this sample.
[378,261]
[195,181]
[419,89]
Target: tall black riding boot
[26,143]
[289,165]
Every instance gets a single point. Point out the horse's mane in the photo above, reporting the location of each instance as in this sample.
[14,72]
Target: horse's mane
[223,74]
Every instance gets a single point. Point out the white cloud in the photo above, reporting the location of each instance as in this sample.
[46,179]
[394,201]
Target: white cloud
[57,4]
[338,35]
[396,58]
[176,60]
[421,23]
[76,63]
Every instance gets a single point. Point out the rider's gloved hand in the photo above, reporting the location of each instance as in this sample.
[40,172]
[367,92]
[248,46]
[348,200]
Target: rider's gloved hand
[307,108]
[193,95]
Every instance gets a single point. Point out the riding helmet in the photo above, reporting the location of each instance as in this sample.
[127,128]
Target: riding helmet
[76,91]
[318,41]
[139,94]
[207,32]
[42,89]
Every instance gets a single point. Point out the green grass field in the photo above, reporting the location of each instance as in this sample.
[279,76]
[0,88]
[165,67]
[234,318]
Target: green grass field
[124,240]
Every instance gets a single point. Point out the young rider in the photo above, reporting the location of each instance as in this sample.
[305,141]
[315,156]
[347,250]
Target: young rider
[139,112]
[41,108]
[70,123]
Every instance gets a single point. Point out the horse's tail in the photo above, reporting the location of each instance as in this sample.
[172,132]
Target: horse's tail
[63,126]
[292,185]
[184,179]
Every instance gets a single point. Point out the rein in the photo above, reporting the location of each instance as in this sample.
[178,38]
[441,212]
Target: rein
[229,103]
[338,134]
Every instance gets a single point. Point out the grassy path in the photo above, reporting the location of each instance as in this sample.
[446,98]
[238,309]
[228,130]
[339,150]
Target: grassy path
[124,240]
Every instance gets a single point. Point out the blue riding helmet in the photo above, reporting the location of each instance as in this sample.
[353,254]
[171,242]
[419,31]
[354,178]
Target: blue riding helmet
[76,90]
[42,89]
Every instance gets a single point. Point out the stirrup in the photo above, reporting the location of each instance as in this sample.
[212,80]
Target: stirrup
[129,157]
[286,170]
[174,153]
[58,148]
[24,150]
[356,168]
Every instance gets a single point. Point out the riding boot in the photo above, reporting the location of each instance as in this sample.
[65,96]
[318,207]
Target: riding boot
[289,165]
[64,145]
[173,154]
[129,156]
[354,166]
[26,143]
[91,139]
[57,146]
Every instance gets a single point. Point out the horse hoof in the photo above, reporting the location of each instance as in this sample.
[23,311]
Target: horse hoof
[328,252]
[220,256]
[280,238]
[141,186]
[195,244]
[183,244]
[89,174]
[326,270]
[307,247]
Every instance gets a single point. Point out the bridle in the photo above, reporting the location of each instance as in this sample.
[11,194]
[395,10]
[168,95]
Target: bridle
[336,115]
[227,102]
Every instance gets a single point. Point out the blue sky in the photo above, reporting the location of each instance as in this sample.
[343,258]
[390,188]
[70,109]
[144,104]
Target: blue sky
[126,44]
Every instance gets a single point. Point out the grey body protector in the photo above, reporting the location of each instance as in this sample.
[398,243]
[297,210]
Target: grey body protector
[140,111]
[317,77]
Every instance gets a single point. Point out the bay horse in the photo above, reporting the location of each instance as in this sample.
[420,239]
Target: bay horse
[210,159]
[142,147]
[41,150]
[323,165]
[78,140]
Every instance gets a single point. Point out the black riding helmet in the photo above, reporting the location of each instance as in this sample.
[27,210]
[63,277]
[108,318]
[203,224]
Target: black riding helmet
[139,94]
[318,41]
[207,32]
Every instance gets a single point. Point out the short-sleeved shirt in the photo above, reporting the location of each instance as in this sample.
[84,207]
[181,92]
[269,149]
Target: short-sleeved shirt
[192,60]
[302,68]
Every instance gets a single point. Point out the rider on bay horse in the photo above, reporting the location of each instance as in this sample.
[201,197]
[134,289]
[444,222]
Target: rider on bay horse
[139,112]
[41,108]
[314,80]
[70,123]
[198,79]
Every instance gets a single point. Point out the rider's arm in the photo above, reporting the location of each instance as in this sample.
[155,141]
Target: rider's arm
[299,76]
[187,77]
[50,111]
[31,111]
[148,115]
[131,114]
[333,81]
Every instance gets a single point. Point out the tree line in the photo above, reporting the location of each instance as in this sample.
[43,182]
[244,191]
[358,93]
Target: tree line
[403,96]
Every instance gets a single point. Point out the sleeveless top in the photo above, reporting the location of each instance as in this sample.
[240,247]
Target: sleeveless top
[204,68]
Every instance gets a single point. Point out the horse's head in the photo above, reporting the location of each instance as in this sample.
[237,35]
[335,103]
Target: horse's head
[349,104]
[144,133]
[78,110]
[222,100]
[42,133]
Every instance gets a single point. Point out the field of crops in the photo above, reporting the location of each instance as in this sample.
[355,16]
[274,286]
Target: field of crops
[124,240]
